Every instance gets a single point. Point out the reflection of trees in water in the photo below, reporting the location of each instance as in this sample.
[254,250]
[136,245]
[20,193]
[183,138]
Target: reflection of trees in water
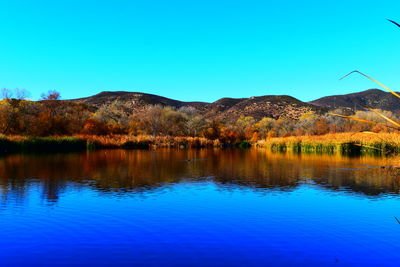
[123,171]
[361,175]
[372,182]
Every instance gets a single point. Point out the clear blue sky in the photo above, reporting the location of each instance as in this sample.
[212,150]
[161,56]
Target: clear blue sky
[198,50]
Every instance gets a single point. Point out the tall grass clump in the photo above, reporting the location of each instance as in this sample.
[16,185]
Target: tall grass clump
[52,144]
[146,141]
[346,143]
[11,144]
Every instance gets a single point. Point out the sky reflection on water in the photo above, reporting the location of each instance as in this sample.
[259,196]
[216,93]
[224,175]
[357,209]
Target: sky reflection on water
[227,207]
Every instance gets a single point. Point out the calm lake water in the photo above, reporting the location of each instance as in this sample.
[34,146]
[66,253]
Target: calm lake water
[198,208]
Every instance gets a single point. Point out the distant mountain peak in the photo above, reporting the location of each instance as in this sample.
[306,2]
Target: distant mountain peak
[374,98]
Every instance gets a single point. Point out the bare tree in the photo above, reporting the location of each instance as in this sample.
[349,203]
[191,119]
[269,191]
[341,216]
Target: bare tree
[116,113]
[194,123]
[6,93]
[51,95]
[152,119]
[21,94]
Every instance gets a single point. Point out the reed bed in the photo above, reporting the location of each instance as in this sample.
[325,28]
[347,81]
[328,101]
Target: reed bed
[379,143]
[10,144]
[146,142]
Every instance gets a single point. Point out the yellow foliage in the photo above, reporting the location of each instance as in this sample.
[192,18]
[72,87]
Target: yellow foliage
[367,139]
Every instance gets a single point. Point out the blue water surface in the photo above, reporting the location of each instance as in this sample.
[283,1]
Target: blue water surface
[218,211]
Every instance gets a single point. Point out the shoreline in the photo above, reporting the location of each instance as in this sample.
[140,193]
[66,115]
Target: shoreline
[18,144]
[346,143]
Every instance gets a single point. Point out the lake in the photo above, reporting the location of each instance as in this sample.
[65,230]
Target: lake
[198,208]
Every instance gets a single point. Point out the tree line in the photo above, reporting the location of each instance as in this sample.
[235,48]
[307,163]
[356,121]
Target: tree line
[50,116]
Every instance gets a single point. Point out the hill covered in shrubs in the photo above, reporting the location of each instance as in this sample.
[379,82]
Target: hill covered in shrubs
[227,120]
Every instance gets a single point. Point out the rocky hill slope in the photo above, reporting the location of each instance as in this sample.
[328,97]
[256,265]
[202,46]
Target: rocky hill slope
[374,98]
[274,106]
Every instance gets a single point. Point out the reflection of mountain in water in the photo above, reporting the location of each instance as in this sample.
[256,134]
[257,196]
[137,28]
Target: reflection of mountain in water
[134,171]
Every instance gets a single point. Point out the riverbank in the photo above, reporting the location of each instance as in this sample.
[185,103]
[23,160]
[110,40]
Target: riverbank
[146,142]
[354,143]
[12,144]
[380,143]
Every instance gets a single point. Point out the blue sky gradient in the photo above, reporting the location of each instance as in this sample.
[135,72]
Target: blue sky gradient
[198,50]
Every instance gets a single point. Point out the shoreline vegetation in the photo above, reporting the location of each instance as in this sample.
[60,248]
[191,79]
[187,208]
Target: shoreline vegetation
[345,143]
[54,125]
[15,144]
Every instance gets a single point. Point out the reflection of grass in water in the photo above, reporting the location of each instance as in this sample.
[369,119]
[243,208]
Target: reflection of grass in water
[140,170]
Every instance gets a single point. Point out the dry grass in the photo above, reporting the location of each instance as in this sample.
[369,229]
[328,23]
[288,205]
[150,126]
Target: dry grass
[338,142]
[146,141]
[81,142]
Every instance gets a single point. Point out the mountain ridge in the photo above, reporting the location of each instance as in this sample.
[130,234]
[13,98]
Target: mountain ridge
[227,108]
[374,98]
[274,106]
